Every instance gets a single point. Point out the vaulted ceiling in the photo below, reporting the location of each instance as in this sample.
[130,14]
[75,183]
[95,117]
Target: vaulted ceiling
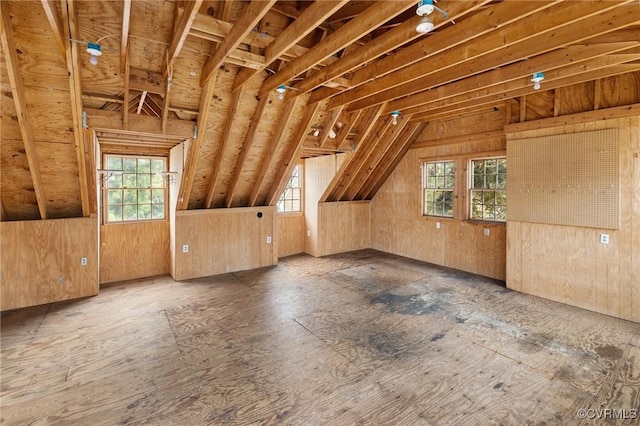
[206,72]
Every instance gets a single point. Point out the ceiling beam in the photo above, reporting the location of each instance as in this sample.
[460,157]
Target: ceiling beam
[492,50]
[490,19]
[246,147]
[571,71]
[70,24]
[17,90]
[228,132]
[390,40]
[193,153]
[374,16]
[519,70]
[369,119]
[180,33]
[275,140]
[471,31]
[252,14]
[291,156]
[53,16]
[124,38]
[307,22]
[607,68]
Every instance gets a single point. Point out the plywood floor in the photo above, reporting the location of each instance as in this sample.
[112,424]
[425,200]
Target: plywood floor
[359,338]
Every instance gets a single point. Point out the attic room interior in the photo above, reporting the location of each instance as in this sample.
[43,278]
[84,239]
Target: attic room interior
[320,212]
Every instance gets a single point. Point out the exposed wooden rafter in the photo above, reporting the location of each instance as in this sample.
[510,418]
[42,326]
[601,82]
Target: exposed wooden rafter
[308,20]
[375,15]
[124,37]
[291,157]
[391,159]
[275,140]
[392,39]
[193,153]
[180,33]
[252,14]
[491,53]
[53,16]
[70,25]
[226,136]
[18,92]
[369,120]
[244,152]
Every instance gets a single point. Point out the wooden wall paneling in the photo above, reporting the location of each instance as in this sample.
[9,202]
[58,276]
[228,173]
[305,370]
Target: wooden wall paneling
[291,234]
[176,164]
[134,250]
[343,226]
[41,261]
[224,240]
[628,148]
[514,256]
[569,264]
[318,173]
[635,230]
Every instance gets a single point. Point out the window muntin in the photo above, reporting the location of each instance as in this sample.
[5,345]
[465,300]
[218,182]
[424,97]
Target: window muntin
[489,189]
[437,187]
[291,198]
[135,189]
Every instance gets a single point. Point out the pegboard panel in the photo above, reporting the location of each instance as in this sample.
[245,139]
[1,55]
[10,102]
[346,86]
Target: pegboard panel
[570,179]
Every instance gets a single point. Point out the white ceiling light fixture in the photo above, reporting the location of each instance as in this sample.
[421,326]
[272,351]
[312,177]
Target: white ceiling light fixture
[281,89]
[537,78]
[94,50]
[425,8]
[394,117]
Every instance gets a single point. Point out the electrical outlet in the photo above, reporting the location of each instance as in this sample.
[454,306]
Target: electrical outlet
[486,231]
[83,261]
[185,248]
[604,238]
[269,239]
[437,225]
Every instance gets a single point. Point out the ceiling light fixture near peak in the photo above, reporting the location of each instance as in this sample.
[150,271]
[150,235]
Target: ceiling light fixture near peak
[394,117]
[281,89]
[94,50]
[537,78]
[425,8]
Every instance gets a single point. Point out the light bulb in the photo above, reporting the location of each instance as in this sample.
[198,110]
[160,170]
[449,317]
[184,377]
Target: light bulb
[281,95]
[425,25]
[93,60]
[536,85]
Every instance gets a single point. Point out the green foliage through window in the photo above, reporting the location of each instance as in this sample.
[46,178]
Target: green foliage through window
[135,189]
[489,189]
[437,186]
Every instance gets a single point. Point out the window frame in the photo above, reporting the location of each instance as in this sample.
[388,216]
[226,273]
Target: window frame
[471,189]
[105,188]
[425,188]
[300,168]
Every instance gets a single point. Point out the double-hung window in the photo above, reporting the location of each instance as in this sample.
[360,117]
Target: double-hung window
[438,180]
[489,189]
